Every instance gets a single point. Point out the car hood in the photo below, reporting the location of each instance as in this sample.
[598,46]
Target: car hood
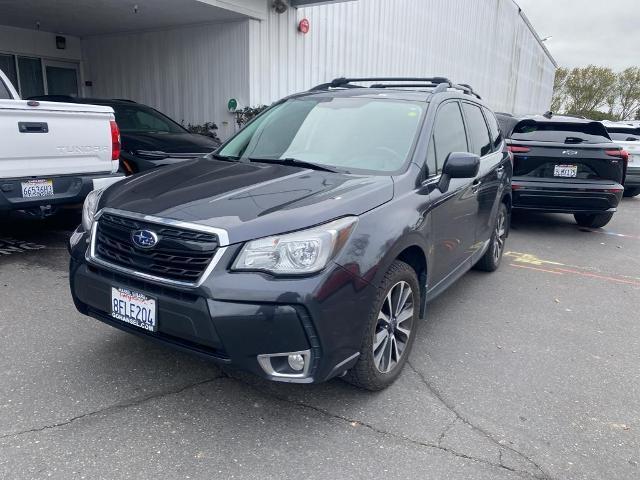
[248,200]
[179,143]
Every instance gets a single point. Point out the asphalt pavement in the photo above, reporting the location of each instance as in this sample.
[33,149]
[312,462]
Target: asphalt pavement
[531,372]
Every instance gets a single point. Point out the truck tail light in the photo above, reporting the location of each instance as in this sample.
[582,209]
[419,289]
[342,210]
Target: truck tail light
[115,140]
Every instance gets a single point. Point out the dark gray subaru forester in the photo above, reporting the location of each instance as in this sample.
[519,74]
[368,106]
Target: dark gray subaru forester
[308,245]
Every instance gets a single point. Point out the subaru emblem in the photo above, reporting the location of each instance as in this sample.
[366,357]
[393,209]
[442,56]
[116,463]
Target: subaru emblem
[569,152]
[144,238]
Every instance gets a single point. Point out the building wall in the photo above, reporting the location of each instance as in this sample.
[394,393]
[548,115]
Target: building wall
[38,44]
[189,73]
[485,43]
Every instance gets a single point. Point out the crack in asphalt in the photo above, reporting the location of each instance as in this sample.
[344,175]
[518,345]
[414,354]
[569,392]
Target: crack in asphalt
[116,406]
[324,412]
[379,431]
[446,429]
[543,475]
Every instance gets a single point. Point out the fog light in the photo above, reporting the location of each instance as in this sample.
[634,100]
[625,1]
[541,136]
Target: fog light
[294,365]
[296,362]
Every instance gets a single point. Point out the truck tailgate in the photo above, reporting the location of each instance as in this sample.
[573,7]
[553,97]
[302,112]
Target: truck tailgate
[47,138]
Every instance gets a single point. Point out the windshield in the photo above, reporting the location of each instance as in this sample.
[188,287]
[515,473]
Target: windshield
[346,133]
[136,119]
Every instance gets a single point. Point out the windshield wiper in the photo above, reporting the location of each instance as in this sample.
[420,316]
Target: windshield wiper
[226,158]
[296,163]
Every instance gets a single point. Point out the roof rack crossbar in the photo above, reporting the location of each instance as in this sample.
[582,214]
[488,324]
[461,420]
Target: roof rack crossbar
[405,85]
[441,84]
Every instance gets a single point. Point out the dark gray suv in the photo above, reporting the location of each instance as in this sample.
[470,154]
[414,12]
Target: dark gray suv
[308,245]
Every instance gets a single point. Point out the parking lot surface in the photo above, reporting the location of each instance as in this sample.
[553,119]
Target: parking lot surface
[531,372]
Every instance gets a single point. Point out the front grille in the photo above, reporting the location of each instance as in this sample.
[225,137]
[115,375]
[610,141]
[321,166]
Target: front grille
[180,254]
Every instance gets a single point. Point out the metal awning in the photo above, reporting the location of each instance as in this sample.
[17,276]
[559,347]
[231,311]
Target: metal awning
[83,18]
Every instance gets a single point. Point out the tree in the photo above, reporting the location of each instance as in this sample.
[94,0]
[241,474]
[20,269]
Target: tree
[588,88]
[559,92]
[628,92]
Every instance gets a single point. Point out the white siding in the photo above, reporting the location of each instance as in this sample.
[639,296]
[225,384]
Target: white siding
[189,73]
[485,43]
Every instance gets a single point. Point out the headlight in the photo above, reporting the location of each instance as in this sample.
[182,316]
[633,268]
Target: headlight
[89,209]
[306,251]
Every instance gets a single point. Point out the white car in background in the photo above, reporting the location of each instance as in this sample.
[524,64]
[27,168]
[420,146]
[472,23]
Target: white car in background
[628,137]
[53,153]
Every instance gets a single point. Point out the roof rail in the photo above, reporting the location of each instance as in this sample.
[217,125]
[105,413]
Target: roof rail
[124,100]
[441,84]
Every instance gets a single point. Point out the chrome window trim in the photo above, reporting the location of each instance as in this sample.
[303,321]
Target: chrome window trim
[222,235]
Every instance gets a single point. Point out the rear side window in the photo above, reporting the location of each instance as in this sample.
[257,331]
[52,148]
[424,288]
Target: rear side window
[559,132]
[494,129]
[478,132]
[4,91]
[448,133]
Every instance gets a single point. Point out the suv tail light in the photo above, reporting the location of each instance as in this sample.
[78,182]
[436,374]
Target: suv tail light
[517,149]
[623,154]
[115,140]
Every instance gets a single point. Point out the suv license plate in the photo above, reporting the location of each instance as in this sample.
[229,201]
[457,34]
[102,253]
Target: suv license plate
[134,308]
[37,188]
[570,171]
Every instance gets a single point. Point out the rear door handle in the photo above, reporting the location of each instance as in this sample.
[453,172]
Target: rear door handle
[500,169]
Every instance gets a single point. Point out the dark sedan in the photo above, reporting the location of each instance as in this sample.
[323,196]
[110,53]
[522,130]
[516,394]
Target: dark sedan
[149,138]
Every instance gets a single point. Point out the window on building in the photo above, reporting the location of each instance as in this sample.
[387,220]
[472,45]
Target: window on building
[8,66]
[30,74]
[448,133]
[478,131]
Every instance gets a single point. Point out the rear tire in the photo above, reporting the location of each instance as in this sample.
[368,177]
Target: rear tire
[593,220]
[490,261]
[631,192]
[390,330]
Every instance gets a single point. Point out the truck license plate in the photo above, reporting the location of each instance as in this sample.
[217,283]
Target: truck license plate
[37,188]
[565,171]
[134,308]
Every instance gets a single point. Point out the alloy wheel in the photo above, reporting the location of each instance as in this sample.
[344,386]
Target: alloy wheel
[500,236]
[393,329]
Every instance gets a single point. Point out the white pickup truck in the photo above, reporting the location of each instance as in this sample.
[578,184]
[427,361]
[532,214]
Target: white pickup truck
[53,154]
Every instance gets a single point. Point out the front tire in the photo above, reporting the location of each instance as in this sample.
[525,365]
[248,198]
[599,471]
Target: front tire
[631,192]
[390,330]
[593,220]
[491,259]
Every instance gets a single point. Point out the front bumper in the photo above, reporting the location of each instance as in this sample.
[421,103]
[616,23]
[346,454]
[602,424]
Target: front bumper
[233,318]
[67,189]
[566,196]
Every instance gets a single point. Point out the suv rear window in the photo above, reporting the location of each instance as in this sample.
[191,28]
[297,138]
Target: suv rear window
[560,132]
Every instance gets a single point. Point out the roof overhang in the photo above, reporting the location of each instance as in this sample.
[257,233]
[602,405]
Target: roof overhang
[98,17]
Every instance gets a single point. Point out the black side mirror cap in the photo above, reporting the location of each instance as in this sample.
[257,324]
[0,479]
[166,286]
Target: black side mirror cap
[461,165]
[458,165]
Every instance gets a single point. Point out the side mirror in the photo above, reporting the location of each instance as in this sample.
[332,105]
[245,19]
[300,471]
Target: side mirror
[458,165]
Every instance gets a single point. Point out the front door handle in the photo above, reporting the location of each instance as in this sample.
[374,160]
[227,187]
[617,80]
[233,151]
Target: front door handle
[476,186]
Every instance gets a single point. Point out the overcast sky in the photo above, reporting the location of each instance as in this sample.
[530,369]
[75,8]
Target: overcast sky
[599,32]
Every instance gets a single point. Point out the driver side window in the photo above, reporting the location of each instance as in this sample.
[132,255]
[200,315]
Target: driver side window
[448,136]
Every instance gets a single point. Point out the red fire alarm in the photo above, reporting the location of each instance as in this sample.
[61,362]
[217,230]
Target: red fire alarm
[303,26]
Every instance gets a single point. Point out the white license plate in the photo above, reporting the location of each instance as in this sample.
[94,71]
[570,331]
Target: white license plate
[134,308]
[565,171]
[37,188]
